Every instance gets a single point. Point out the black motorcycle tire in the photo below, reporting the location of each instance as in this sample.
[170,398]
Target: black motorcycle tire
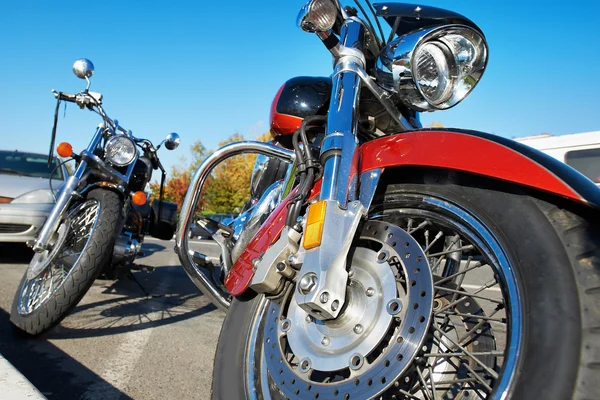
[554,246]
[94,257]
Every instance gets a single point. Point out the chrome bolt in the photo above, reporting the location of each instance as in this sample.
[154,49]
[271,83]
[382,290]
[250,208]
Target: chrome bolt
[334,305]
[304,365]
[307,283]
[351,273]
[308,319]
[356,361]
[394,306]
[418,9]
[358,329]
[324,297]
[370,292]
[286,325]
[325,341]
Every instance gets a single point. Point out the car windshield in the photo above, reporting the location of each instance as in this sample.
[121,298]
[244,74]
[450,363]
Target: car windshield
[27,164]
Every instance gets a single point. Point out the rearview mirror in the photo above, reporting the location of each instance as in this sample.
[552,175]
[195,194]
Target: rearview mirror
[172,141]
[83,68]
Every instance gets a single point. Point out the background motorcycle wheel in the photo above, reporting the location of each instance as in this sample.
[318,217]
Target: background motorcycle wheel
[553,248]
[40,303]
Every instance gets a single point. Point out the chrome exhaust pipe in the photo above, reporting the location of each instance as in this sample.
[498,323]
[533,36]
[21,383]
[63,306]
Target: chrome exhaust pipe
[202,276]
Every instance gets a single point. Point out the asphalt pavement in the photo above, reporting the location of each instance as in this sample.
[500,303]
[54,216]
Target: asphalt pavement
[155,340]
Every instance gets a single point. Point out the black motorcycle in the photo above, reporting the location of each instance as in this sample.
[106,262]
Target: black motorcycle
[101,215]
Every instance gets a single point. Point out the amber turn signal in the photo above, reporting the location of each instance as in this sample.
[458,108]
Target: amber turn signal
[314,224]
[64,150]
[139,198]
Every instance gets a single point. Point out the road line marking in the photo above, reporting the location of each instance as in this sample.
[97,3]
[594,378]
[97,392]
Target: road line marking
[118,368]
[476,287]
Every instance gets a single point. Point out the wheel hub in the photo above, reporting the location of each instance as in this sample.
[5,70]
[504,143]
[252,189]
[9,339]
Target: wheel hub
[361,325]
[378,334]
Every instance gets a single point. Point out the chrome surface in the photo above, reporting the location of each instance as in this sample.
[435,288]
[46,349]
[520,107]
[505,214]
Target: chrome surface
[317,16]
[328,261]
[120,146]
[355,338]
[172,141]
[125,250]
[200,276]
[47,271]
[83,68]
[246,226]
[305,340]
[266,279]
[339,150]
[395,68]
[260,165]
[367,186]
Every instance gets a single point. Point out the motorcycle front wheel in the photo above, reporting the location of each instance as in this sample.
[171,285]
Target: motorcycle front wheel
[57,279]
[512,306]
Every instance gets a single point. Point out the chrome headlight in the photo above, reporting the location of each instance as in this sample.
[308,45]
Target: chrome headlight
[318,16]
[120,151]
[435,68]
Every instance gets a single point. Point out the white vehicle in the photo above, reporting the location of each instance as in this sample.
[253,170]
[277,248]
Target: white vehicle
[580,150]
[25,195]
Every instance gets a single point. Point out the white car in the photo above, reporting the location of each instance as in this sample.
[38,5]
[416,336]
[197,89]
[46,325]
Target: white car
[25,195]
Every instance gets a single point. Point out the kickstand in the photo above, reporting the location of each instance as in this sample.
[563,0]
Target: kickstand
[133,278]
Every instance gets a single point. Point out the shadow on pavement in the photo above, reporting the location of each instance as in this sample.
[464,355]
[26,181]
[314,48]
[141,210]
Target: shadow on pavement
[56,374]
[15,253]
[172,298]
[151,248]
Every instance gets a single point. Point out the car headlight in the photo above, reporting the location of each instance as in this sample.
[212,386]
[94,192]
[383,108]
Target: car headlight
[433,69]
[41,196]
[120,151]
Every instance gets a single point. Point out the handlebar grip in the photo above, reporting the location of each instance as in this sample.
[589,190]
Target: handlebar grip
[66,97]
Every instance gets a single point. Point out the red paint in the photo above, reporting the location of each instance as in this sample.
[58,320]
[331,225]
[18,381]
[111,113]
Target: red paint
[462,152]
[241,273]
[449,150]
[282,124]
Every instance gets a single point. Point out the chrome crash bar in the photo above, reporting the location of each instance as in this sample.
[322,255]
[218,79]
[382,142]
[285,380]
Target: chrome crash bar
[202,276]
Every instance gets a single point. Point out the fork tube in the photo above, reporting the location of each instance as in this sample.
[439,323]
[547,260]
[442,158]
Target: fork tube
[339,150]
[64,197]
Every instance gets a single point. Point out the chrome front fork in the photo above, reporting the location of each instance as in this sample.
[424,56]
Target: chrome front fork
[63,200]
[323,276]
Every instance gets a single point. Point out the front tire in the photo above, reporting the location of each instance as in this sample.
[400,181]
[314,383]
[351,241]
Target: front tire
[553,351]
[42,302]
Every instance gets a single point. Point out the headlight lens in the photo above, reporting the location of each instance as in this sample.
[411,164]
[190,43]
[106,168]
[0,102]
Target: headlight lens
[433,69]
[120,151]
[43,196]
[317,16]
[432,73]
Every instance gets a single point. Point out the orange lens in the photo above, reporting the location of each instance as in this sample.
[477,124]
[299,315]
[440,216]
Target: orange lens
[64,150]
[5,200]
[314,224]
[139,198]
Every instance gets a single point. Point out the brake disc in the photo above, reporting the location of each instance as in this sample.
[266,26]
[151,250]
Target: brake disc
[376,337]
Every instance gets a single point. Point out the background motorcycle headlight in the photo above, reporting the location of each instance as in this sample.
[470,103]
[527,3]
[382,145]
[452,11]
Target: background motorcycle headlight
[433,69]
[120,151]
[43,196]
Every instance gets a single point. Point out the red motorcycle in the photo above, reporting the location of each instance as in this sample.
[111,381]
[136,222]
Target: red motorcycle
[379,259]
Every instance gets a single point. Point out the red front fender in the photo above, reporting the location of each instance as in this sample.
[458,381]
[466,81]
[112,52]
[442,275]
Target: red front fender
[468,151]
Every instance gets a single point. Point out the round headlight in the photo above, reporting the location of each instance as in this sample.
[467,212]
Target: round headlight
[432,73]
[317,16]
[120,151]
[433,69]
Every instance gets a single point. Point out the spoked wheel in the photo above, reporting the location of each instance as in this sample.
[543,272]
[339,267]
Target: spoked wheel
[434,310]
[57,278]
[49,269]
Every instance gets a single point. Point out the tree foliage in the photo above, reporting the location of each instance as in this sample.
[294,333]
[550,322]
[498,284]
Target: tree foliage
[226,189]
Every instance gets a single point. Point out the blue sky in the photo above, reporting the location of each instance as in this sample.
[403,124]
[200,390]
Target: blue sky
[209,69]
